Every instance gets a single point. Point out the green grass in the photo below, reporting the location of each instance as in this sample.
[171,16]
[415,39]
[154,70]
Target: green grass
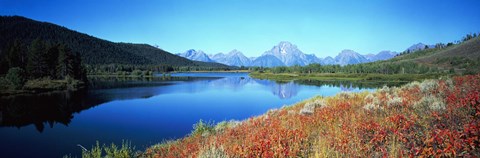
[46,84]
[108,151]
[42,85]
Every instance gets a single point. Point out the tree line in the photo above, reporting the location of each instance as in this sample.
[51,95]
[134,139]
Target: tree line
[40,59]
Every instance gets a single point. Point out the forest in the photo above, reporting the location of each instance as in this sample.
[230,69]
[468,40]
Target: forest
[40,63]
[99,56]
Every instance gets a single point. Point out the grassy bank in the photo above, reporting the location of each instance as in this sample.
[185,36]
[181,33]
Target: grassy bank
[36,86]
[435,118]
[344,76]
[227,71]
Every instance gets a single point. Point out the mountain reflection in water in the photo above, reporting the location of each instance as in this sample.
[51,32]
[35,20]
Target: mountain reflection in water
[59,107]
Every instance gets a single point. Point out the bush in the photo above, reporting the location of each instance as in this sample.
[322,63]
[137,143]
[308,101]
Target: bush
[4,84]
[137,73]
[427,86]
[16,77]
[371,106]
[125,151]
[213,151]
[372,102]
[309,107]
[430,103]
[346,95]
[112,151]
[203,128]
[395,102]
[220,127]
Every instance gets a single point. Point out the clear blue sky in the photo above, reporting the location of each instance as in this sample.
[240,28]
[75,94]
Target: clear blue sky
[254,26]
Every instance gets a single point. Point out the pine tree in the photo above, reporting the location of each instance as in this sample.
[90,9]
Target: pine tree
[13,56]
[37,60]
[52,60]
[64,62]
[79,72]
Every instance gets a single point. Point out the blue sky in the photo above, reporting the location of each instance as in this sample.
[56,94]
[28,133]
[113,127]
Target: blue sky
[254,26]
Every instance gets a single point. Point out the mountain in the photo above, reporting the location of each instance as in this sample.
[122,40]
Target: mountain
[383,55]
[267,60]
[417,47]
[290,55]
[284,54]
[218,57]
[233,58]
[311,58]
[350,57]
[93,51]
[327,61]
[195,55]
[370,56]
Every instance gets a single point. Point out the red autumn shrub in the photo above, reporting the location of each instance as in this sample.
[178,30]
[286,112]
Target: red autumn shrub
[343,127]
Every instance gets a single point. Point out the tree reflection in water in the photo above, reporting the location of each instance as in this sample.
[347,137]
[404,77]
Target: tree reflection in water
[60,107]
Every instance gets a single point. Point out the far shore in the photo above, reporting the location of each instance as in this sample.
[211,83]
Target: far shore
[344,76]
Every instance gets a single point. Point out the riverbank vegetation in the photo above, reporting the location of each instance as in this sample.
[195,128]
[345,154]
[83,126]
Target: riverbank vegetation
[124,70]
[41,66]
[126,150]
[434,118]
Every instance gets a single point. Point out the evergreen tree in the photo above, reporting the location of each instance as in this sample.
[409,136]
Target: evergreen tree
[52,60]
[37,61]
[79,72]
[64,62]
[14,55]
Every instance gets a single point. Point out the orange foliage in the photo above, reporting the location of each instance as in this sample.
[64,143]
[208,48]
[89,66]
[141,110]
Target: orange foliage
[345,128]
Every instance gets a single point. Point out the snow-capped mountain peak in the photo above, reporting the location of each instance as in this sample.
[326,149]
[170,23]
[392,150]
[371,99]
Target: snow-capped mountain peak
[348,56]
[289,54]
[196,55]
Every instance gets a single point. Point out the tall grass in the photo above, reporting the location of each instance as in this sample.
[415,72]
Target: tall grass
[126,150]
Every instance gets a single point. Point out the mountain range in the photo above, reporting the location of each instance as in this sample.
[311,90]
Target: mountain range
[95,51]
[286,54]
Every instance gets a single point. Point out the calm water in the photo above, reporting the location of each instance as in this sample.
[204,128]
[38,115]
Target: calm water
[144,112]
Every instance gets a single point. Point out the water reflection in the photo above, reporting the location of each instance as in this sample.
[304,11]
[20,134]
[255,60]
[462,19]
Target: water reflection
[50,108]
[59,107]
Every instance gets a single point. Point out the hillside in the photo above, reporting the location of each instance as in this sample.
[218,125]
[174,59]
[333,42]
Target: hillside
[461,57]
[94,51]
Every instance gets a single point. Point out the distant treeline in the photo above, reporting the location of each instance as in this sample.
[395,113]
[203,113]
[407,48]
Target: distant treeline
[128,69]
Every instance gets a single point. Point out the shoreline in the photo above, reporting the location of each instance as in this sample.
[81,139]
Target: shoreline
[36,87]
[346,77]
[311,123]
